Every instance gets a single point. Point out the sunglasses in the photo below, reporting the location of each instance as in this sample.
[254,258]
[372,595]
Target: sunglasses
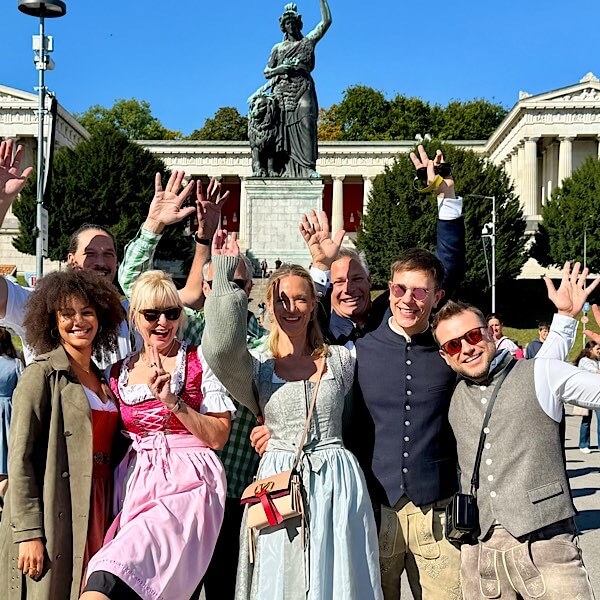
[399,291]
[241,283]
[473,336]
[153,314]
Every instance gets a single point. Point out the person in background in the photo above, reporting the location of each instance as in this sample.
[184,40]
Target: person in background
[496,324]
[62,446]
[11,368]
[534,346]
[588,360]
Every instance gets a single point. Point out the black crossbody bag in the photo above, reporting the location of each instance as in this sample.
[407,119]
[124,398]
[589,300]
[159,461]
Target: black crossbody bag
[462,521]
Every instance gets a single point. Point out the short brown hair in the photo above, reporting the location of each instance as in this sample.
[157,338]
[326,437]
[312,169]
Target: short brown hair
[417,259]
[52,294]
[451,309]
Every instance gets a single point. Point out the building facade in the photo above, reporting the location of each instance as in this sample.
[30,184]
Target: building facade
[539,143]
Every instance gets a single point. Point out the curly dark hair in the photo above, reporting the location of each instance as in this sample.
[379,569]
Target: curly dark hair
[53,293]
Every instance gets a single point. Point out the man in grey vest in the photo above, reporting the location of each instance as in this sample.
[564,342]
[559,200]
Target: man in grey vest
[527,544]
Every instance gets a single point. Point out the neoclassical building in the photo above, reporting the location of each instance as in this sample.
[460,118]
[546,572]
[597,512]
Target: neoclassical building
[539,143]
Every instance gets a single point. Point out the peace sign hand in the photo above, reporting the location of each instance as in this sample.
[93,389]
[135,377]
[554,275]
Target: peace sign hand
[165,208]
[160,381]
[447,186]
[595,337]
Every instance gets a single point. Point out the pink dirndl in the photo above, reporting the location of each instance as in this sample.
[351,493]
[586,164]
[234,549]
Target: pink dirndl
[161,542]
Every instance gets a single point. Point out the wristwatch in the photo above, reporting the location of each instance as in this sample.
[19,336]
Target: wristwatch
[201,241]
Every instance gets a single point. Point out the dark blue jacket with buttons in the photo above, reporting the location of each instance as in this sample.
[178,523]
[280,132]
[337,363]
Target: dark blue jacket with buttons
[398,423]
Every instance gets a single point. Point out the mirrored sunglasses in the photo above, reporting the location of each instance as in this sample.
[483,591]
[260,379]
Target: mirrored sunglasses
[454,346]
[153,314]
[399,291]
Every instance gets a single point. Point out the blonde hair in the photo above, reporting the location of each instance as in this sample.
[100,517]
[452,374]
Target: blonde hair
[153,289]
[314,336]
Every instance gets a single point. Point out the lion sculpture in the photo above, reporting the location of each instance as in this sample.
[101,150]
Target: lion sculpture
[263,121]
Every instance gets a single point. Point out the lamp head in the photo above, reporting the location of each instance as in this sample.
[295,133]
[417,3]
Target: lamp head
[48,9]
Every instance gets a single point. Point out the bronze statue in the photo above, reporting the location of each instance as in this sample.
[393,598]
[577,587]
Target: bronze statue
[293,89]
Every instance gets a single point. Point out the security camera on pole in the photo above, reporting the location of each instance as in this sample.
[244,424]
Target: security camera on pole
[42,46]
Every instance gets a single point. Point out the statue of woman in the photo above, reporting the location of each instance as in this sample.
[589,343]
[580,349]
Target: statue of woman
[289,71]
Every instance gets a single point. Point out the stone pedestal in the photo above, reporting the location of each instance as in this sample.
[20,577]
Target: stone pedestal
[274,209]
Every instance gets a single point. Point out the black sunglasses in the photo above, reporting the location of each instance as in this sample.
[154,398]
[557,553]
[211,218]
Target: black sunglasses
[473,336]
[241,283]
[153,314]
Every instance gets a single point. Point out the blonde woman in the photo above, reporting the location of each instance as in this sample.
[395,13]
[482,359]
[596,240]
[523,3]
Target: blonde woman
[177,413]
[338,558]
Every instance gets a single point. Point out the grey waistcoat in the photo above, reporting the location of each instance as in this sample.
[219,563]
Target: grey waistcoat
[523,484]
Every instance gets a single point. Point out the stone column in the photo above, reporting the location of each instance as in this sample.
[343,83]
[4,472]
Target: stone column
[337,205]
[551,169]
[367,187]
[243,216]
[565,159]
[530,178]
[521,172]
[514,169]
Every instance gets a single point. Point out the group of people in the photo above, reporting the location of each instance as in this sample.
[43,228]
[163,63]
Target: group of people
[139,423]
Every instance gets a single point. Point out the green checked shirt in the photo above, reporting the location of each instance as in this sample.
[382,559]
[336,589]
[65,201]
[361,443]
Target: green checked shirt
[239,459]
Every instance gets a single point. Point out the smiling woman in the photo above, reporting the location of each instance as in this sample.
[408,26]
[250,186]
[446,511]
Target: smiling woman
[61,440]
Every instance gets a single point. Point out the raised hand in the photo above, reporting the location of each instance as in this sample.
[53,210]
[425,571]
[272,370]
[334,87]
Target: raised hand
[595,337]
[572,292]
[447,186]
[12,179]
[224,244]
[165,208]
[160,381]
[208,209]
[323,248]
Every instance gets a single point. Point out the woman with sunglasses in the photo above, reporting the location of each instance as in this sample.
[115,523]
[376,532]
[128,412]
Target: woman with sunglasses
[332,551]
[176,412]
[61,440]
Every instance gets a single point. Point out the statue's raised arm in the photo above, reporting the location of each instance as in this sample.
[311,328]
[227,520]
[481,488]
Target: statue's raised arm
[321,29]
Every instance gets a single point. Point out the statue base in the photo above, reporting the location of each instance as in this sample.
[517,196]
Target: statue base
[274,210]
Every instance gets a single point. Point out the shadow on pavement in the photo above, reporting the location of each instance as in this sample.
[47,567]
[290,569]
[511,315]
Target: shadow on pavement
[580,472]
[587,520]
[583,492]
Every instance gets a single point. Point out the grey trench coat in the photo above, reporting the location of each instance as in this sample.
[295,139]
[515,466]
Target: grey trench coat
[50,478]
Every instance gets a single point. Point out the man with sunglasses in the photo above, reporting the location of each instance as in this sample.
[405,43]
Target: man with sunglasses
[525,511]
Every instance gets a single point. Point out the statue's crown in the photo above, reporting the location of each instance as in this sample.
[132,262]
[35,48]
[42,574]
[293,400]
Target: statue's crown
[290,10]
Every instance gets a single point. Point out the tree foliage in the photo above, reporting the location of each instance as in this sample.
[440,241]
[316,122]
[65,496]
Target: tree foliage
[132,117]
[399,217]
[227,124]
[365,114]
[107,180]
[573,208]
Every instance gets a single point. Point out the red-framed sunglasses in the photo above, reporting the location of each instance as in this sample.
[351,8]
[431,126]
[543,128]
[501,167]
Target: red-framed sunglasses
[473,336]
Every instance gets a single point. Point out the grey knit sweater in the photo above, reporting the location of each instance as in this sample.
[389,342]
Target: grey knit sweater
[224,338]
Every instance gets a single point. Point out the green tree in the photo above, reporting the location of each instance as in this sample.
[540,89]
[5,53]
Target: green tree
[329,127]
[573,208]
[107,180]
[399,217]
[363,114]
[227,124]
[132,117]
[409,117]
[472,120]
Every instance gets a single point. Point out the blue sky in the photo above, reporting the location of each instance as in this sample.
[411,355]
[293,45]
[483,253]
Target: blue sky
[189,58]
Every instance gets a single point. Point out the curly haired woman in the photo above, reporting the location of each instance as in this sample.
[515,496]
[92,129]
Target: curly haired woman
[61,437]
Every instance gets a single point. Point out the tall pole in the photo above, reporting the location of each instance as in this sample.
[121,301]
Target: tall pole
[493,254]
[41,66]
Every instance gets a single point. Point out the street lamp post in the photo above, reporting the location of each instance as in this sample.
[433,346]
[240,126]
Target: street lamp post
[42,46]
[489,231]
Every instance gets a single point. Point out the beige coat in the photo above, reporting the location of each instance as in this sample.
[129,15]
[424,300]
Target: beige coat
[50,475]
